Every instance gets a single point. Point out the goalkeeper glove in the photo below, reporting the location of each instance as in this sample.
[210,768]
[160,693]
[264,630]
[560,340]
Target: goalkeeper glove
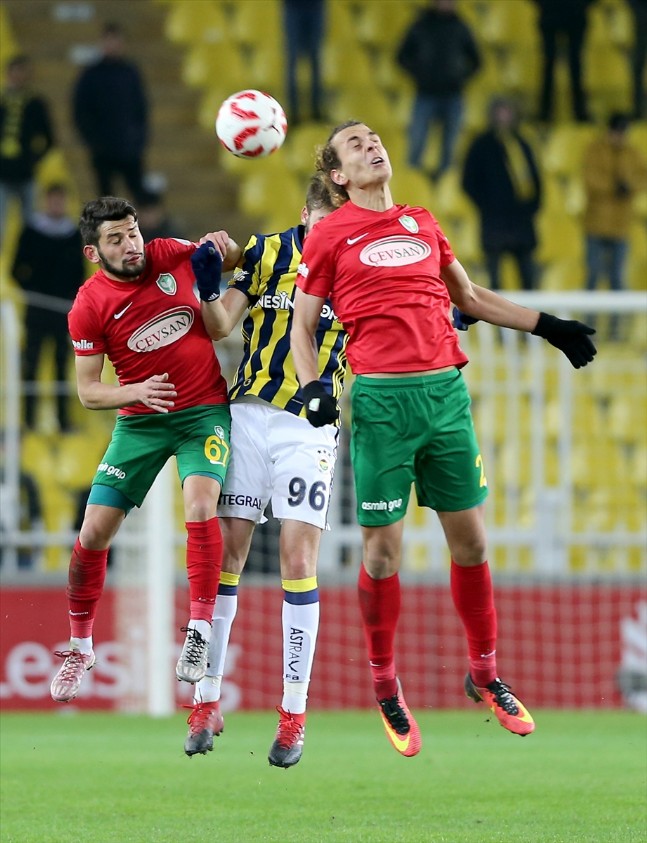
[207,268]
[461,320]
[569,335]
[321,407]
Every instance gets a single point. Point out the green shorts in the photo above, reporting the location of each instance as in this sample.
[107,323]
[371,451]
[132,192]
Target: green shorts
[140,446]
[413,430]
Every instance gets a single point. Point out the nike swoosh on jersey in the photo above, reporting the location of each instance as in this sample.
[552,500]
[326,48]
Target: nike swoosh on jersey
[121,312]
[352,240]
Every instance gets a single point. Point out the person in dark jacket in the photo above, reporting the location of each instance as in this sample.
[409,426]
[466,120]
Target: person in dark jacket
[441,55]
[111,115]
[49,267]
[568,20]
[637,56]
[501,177]
[26,135]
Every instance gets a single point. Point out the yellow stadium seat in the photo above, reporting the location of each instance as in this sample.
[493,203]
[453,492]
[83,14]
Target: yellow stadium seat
[381,26]
[77,458]
[627,421]
[301,144]
[562,275]
[505,24]
[411,187]
[560,237]
[253,20]
[337,64]
[193,21]
[262,193]
[367,104]
[563,153]
[607,70]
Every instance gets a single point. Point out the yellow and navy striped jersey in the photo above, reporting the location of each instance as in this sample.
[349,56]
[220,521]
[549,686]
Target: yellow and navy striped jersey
[268,270]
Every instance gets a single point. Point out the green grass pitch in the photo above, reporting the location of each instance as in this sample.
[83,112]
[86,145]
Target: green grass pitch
[106,778]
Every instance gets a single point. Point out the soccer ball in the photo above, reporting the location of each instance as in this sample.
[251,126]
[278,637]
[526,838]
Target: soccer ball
[251,124]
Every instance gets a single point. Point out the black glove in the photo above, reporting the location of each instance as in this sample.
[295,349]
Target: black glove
[461,320]
[207,268]
[569,335]
[321,407]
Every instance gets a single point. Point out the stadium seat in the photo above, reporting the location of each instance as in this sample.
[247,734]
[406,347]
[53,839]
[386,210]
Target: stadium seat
[381,26]
[254,19]
[193,21]
[77,458]
[560,237]
[367,104]
[627,421]
[506,24]
[563,154]
[411,187]
[262,192]
[300,147]
[336,66]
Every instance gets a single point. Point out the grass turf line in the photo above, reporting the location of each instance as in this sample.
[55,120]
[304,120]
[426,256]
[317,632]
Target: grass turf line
[108,778]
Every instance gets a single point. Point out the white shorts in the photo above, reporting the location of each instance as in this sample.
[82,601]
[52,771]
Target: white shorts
[279,457]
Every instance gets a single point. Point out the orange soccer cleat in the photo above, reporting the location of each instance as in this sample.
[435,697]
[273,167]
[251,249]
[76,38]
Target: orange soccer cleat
[399,724]
[509,711]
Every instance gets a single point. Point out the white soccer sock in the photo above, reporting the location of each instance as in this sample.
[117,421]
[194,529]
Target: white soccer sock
[208,689]
[300,627]
[83,645]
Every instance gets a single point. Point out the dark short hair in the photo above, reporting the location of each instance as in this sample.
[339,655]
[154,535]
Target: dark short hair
[98,211]
[618,122]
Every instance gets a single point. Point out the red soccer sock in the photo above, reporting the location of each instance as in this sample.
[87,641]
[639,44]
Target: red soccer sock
[474,601]
[86,576]
[379,603]
[203,564]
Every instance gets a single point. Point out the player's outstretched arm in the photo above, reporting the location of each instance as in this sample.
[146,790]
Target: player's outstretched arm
[156,392]
[568,335]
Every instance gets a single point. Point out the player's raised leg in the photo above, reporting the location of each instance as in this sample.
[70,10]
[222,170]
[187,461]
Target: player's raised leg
[379,601]
[472,593]
[86,577]
[206,718]
[300,623]
[203,561]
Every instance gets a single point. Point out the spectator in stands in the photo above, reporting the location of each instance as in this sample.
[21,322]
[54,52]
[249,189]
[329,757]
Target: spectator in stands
[29,512]
[111,115]
[501,176]
[440,54]
[613,171]
[638,55]
[567,20]
[154,219]
[49,267]
[26,135]
[304,23]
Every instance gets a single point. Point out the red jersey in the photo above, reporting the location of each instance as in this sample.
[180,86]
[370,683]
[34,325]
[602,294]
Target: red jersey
[149,326]
[382,272]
